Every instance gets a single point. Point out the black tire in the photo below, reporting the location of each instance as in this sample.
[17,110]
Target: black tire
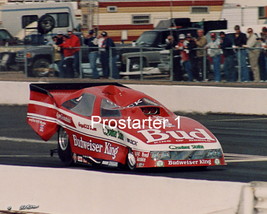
[130,160]
[41,67]
[46,23]
[64,150]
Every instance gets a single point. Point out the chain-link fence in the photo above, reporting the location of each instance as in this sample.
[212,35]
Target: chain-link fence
[244,64]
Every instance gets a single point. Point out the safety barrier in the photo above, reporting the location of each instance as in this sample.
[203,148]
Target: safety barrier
[175,97]
[137,62]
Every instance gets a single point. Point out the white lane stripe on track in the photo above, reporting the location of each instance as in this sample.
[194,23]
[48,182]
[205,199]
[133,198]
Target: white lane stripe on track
[25,156]
[26,140]
[239,158]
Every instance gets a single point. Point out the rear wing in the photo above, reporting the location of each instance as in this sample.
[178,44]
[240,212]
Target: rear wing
[42,113]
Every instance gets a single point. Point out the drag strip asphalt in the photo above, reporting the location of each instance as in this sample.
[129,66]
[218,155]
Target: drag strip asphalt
[242,137]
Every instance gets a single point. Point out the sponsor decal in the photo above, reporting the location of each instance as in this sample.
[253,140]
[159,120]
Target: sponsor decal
[136,103]
[107,149]
[141,159]
[111,150]
[217,162]
[186,147]
[142,154]
[155,135]
[140,165]
[160,163]
[63,117]
[90,146]
[41,123]
[133,142]
[189,162]
[110,163]
[113,133]
[86,126]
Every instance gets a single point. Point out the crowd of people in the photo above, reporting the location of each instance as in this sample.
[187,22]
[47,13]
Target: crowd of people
[66,54]
[238,55]
[191,56]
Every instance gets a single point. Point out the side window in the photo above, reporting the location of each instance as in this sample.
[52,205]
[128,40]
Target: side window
[109,109]
[62,19]
[4,35]
[83,105]
[26,20]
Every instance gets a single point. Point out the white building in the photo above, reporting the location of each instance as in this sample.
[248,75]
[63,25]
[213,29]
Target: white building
[244,13]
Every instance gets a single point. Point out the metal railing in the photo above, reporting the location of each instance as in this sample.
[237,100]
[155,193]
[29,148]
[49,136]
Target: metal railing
[131,62]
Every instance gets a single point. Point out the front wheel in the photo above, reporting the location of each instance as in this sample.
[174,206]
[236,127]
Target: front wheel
[41,68]
[130,160]
[64,149]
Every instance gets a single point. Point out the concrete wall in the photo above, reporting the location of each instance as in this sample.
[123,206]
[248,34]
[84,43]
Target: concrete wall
[176,98]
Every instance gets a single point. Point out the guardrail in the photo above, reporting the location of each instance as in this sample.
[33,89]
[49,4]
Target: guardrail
[137,62]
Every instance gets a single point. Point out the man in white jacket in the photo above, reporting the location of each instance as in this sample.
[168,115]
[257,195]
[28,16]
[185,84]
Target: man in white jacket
[253,45]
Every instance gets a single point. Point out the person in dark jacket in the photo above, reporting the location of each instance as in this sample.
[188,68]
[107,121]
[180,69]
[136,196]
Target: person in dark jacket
[176,63]
[228,53]
[191,47]
[240,41]
[92,42]
[109,57]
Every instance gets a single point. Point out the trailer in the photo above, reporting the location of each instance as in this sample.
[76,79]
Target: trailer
[17,17]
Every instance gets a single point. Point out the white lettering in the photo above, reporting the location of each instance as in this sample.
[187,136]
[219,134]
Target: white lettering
[201,134]
[154,135]
[93,121]
[110,150]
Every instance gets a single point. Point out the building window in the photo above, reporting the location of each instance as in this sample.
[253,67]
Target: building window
[26,20]
[141,19]
[112,9]
[261,12]
[199,10]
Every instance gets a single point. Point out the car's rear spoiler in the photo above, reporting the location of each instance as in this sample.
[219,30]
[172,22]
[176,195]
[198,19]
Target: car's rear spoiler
[46,87]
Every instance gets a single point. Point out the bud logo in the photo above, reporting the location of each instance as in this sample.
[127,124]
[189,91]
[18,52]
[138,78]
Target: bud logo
[157,135]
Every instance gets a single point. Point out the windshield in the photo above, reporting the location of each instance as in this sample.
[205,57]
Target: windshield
[146,39]
[109,109]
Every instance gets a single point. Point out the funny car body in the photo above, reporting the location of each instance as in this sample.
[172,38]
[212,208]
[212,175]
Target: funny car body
[112,125]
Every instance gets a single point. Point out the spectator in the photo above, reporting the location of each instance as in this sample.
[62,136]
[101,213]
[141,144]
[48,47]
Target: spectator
[59,41]
[201,42]
[240,41]
[253,43]
[68,52]
[75,44]
[57,56]
[263,54]
[182,45]
[171,45]
[228,53]
[214,52]
[109,48]
[191,47]
[92,42]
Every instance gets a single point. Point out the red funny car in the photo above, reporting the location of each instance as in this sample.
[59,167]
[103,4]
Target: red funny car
[112,125]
